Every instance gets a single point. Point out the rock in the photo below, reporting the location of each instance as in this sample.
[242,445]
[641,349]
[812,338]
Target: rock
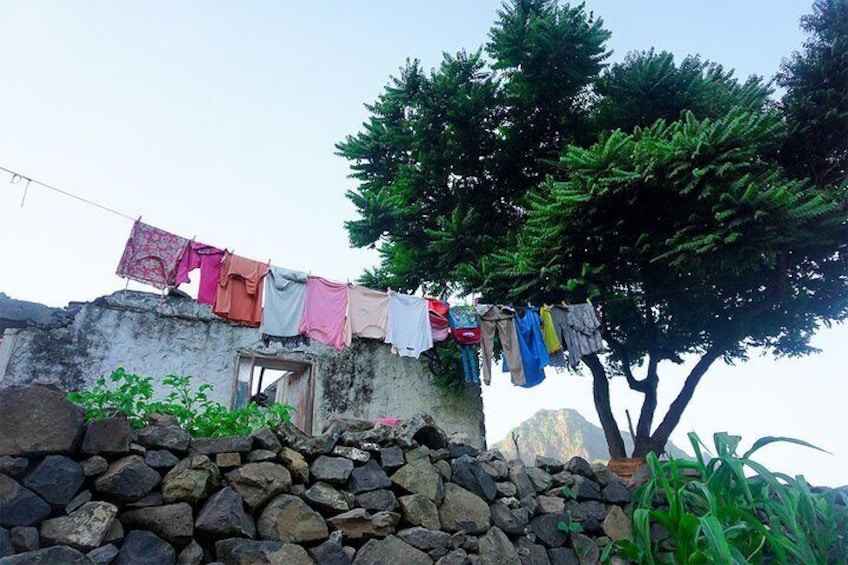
[420,429]
[457,451]
[265,439]
[586,489]
[93,466]
[563,556]
[420,452]
[519,478]
[83,529]
[214,445]
[160,459]
[510,521]
[127,479]
[586,550]
[377,500]
[295,463]
[455,557]
[500,468]
[330,552]
[468,474]
[546,528]
[153,499]
[549,464]
[421,478]
[424,539]
[462,510]
[288,518]
[146,548]
[358,523]
[24,538]
[444,469]
[604,476]
[78,501]
[391,550]
[589,509]
[58,555]
[550,504]
[258,483]
[615,493]
[391,457]
[322,444]
[223,516]
[579,466]
[261,455]
[115,533]
[368,477]
[109,436]
[104,554]
[324,497]
[25,411]
[173,522]
[495,548]
[56,479]
[20,506]
[531,553]
[227,460]
[192,554]
[617,525]
[506,488]
[347,423]
[192,480]
[13,466]
[164,437]
[160,419]
[541,480]
[419,510]
[335,470]
[352,453]
[248,552]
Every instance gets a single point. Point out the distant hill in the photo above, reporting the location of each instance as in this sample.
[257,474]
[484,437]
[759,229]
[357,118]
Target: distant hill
[563,434]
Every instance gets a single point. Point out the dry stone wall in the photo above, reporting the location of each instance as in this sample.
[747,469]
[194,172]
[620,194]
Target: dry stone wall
[358,493]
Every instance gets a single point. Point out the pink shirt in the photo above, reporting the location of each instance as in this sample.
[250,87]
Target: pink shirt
[208,259]
[325,312]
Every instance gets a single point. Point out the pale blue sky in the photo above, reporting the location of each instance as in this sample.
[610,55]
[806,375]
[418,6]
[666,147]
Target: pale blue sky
[217,120]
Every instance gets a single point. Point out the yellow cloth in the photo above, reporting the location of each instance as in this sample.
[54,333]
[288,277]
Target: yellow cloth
[549,334]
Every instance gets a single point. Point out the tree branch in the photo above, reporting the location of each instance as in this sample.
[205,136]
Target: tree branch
[621,350]
[600,392]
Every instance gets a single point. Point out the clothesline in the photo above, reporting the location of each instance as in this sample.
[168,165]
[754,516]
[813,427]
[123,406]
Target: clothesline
[17,178]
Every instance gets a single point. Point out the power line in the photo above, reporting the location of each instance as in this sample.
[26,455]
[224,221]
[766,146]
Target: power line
[60,191]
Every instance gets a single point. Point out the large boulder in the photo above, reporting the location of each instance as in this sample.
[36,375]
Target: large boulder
[368,477]
[508,520]
[57,555]
[420,477]
[215,445]
[377,500]
[288,518]
[358,523]
[330,552]
[26,410]
[164,437]
[82,529]
[418,510]
[325,498]
[296,463]
[20,506]
[258,483]
[546,528]
[496,549]
[141,547]
[191,480]
[424,539]
[238,551]
[172,522]
[390,550]
[531,553]
[109,436]
[223,516]
[463,511]
[468,474]
[335,470]
[56,479]
[617,526]
[127,479]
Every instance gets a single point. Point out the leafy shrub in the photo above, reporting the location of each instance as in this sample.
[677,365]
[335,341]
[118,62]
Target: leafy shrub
[715,514]
[132,395]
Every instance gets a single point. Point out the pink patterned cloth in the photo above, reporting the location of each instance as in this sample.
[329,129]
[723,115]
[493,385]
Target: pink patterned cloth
[151,256]
[389,421]
[325,312]
[208,260]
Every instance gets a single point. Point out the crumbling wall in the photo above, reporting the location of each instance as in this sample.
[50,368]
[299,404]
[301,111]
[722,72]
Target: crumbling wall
[154,336]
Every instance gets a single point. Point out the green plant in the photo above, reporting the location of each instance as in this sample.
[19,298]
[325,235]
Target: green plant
[715,514]
[130,394]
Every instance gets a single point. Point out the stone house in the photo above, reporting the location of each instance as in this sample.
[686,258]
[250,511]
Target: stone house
[154,336]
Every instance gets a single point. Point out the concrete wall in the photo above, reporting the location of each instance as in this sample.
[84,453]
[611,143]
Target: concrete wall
[155,337]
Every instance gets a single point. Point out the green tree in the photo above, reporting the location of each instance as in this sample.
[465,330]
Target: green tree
[816,100]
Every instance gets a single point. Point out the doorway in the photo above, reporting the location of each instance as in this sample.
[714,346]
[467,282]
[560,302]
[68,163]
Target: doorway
[273,380]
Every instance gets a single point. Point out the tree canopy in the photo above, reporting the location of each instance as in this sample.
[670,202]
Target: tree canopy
[692,206]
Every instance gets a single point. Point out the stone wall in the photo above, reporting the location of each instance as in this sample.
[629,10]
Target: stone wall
[152,336]
[359,493]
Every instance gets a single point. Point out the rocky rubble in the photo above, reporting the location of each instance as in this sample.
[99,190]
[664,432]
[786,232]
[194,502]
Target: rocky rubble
[360,493]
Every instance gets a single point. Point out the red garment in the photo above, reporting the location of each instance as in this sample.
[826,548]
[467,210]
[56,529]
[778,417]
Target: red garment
[151,256]
[208,260]
[239,296]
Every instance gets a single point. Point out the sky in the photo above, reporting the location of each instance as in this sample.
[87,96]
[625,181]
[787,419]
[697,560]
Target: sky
[218,121]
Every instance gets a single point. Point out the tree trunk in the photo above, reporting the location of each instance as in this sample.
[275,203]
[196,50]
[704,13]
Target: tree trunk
[600,391]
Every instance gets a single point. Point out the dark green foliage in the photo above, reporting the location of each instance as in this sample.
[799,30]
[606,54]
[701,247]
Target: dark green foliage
[132,395]
[816,101]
